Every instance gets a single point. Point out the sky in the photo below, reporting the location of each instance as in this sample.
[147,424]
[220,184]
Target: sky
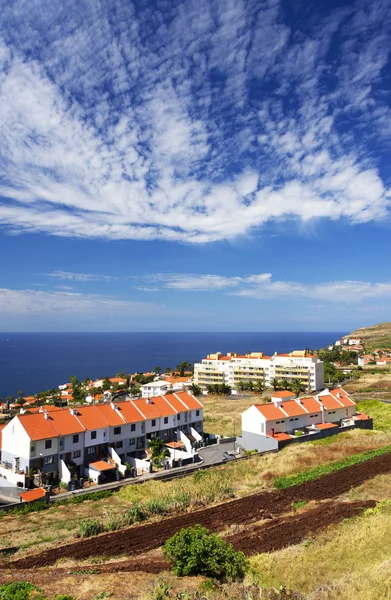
[194,165]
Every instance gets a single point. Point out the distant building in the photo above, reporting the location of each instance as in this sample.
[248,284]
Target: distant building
[255,366]
[155,388]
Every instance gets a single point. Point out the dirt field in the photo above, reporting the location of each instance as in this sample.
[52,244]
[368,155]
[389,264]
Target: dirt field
[245,511]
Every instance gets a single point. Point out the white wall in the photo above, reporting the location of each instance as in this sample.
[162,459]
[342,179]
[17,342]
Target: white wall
[16,442]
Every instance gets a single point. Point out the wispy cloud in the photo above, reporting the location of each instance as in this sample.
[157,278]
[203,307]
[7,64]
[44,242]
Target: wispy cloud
[82,277]
[115,124]
[26,302]
[262,286]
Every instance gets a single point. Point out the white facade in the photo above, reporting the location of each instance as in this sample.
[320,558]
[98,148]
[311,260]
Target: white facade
[233,368]
[155,388]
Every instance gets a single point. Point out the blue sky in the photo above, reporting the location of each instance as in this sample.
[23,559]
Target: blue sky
[194,165]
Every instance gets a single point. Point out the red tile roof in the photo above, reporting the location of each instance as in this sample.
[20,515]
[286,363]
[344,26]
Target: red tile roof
[189,400]
[311,404]
[281,436]
[325,425]
[31,495]
[112,416]
[293,409]
[91,418]
[37,427]
[329,402]
[283,394]
[270,411]
[101,465]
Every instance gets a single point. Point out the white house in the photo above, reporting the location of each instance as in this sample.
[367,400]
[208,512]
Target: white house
[60,442]
[155,388]
[263,426]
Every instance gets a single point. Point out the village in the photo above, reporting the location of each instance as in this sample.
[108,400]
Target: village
[89,433]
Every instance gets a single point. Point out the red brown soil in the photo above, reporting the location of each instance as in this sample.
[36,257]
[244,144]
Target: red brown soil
[250,509]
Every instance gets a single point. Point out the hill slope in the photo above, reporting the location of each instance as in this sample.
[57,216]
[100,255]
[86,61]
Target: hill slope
[374,336]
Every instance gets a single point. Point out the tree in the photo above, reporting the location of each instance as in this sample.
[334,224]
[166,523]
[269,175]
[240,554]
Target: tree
[297,387]
[196,551]
[74,381]
[9,400]
[168,370]
[182,367]
[158,370]
[121,374]
[157,447]
[275,383]
[20,399]
[258,386]
[241,386]
[285,385]
[195,389]
[106,385]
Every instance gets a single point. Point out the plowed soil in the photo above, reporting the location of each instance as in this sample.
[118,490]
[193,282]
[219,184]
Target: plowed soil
[139,540]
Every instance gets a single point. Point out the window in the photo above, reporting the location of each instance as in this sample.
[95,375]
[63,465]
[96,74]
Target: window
[48,444]
[118,444]
[178,417]
[153,422]
[93,435]
[49,460]
[61,443]
[76,454]
[76,438]
[296,419]
[91,450]
[291,419]
[165,420]
[197,413]
[133,427]
[117,430]
[32,449]
[132,441]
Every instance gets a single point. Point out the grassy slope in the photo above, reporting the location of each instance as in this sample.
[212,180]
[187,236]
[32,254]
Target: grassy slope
[347,562]
[375,336]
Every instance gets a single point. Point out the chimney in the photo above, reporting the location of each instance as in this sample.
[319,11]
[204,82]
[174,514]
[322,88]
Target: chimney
[73,411]
[46,415]
[114,406]
[272,431]
[41,409]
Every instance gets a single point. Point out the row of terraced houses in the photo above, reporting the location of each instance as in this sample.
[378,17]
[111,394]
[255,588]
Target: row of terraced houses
[87,440]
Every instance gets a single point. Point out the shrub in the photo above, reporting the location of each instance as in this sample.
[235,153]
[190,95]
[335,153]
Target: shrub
[90,527]
[20,590]
[195,551]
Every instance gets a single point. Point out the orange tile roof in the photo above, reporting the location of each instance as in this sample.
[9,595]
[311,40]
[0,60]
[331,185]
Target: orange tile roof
[37,427]
[311,404]
[293,409]
[281,436]
[329,402]
[110,415]
[342,397]
[65,423]
[101,465]
[325,425]
[191,402]
[117,380]
[149,411]
[91,418]
[270,411]
[31,495]
[46,407]
[130,412]
[175,445]
[283,394]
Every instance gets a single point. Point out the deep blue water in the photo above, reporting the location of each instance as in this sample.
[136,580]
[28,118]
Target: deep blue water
[35,362]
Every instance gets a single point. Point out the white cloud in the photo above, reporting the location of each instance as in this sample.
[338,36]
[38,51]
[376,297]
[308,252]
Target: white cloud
[134,131]
[83,277]
[262,286]
[45,304]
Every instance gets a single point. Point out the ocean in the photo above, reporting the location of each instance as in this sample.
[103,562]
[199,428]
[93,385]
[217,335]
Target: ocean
[35,362]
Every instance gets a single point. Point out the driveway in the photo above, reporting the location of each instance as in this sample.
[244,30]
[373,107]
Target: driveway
[214,454]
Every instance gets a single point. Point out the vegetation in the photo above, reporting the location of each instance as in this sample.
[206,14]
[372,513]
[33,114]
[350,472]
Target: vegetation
[220,389]
[24,590]
[346,562]
[196,551]
[375,336]
[315,473]
[379,411]
[195,389]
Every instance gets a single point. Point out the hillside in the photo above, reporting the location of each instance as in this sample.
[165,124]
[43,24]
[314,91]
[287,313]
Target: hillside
[374,336]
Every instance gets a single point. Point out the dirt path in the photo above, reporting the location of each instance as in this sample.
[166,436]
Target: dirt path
[138,540]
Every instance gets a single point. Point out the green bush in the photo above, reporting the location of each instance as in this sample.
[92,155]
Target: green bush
[90,527]
[20,590]
[196,551]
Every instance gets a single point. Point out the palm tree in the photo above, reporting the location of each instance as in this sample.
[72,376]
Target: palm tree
[285,384]
[275,383]
[158,370]
[297,387]
[20,399]
[258,386]
[241,386]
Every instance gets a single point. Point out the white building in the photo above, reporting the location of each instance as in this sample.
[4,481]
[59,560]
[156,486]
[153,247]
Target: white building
[57,443]
[233,368]
[155,388]
[263,426]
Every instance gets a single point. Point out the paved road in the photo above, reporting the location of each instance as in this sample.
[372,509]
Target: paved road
[214,454]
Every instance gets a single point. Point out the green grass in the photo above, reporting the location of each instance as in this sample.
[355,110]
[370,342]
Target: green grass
[379,411]
[316,472]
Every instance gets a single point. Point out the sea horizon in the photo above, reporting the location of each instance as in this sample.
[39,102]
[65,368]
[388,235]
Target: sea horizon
[37,361]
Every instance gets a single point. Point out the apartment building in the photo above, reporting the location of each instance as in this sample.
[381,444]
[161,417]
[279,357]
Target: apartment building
[57,442]
[287,418]
[255,366]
